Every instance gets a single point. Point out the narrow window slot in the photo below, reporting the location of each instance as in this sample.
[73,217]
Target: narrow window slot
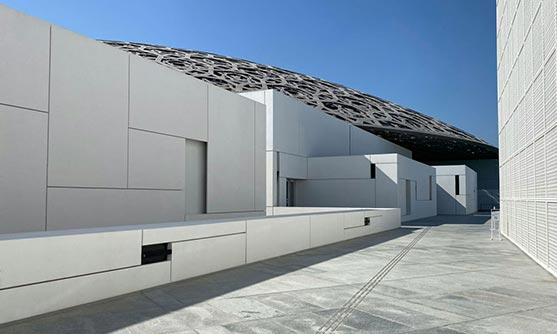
[372,171]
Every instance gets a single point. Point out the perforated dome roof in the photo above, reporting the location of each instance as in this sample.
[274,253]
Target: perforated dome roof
[428,138]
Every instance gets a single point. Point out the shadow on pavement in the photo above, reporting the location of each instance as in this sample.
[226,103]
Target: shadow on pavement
[478,218]
[118,313]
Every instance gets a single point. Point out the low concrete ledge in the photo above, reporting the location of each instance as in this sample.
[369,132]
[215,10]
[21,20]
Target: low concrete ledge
[47,271]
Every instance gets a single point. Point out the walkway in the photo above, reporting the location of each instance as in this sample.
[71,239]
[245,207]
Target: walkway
[453,280]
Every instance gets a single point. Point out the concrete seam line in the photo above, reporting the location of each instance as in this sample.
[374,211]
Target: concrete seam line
[348,308]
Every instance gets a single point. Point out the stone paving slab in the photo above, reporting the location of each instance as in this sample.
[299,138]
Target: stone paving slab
[453,281]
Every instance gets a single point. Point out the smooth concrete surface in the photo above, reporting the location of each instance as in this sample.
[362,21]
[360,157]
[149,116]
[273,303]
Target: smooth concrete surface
[336,192]
[180,231]
[448,201]
[99,137]
[53,260]
[260,158]
[29,300]
[231,153]
[24,68]
[23,147]
[487,178]
[326,229]
[88,119]
[276,236]
[208,255]
[73,208]
[156,161]
[178,107]
[292,166]
[346,181]
[347,167]
[26,260]
[453,281]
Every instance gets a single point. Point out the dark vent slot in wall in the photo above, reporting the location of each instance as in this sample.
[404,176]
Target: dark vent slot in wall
[155,253]
[367,221]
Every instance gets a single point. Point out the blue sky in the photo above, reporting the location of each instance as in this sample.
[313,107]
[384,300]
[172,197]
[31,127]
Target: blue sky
[435,56]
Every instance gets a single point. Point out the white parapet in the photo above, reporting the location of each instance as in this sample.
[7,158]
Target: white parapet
[47,271]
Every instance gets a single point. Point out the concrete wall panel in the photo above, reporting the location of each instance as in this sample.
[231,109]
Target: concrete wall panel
[267,238]
[285,124]
[346,167]
[22,170]
[260,158]
[292,166]
[156,161]
[181,231]
[24,67]
[70,208]
[359,193]
[218,253]
[326,229]
[38,257]
[88,135]
[322,134]
[27,301]
[230,153]
[167,101]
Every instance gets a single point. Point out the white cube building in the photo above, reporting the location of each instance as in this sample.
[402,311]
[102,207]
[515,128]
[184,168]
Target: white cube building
[456,190]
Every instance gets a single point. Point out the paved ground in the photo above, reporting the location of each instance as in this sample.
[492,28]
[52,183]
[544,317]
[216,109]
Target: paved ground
[454,280]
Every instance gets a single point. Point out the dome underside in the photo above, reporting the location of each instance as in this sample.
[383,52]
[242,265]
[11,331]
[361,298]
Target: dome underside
[428,138]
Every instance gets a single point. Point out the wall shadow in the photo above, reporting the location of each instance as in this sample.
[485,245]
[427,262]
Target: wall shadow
[450,205]
[478,218]
[147,306]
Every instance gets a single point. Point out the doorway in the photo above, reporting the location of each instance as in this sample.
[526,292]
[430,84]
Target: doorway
[290,191]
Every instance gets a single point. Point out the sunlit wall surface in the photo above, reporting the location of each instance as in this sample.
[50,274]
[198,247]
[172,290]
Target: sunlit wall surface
[526,60]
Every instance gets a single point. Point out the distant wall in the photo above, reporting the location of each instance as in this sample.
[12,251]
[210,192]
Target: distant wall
[448,201]
[295,132]
[93,136]
[379,180]
[488,179]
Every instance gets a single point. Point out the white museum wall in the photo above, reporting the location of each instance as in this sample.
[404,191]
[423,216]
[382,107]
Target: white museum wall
[345,181]
[527,100]
[296,132]
[448,201]
[487,180]
[93,136]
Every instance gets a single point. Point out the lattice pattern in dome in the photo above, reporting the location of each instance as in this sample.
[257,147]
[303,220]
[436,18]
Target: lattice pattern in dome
[371,113]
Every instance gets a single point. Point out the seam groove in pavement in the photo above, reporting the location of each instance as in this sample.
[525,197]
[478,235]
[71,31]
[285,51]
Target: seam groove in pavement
[348,308]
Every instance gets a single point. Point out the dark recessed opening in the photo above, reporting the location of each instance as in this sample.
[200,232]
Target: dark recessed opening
[372,171]
[367,221]
[155,253]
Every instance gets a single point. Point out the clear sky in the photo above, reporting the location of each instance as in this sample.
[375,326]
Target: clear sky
[435,56]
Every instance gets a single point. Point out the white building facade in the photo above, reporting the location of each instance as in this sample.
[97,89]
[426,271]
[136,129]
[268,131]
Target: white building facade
[317,160]
[456,190]
[118,174]
[526,60]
